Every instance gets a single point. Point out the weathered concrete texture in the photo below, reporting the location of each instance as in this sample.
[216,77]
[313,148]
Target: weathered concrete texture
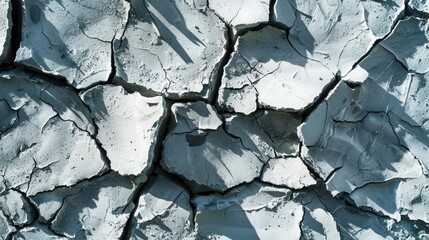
[288,172]
[47,140]
[17,208]
[337,33]
[170,48]
[36,231]
[258,210]
[419,5]
[357,144]
[268,134]
[5,30]
[163,211]
[96,209]
[128,126]
[242,14]
[198,149]
[6,227]
[326,217]
[71,39]
[281,80]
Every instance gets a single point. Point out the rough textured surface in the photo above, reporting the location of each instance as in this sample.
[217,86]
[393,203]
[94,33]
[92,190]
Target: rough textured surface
[128,126]
[75,212]
[198,144]
[218,119]
[180,52]
[242,14]
[42,146]
[163,211]
[337,33]
[255,79]
[5,30]
[53,33]
[248,208]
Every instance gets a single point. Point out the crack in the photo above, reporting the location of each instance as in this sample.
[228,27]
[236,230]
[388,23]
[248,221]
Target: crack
[271,10]
[229,49]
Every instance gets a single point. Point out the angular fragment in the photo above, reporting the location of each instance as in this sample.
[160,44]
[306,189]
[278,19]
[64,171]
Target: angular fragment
[408,197]
[282,129]
[170,48]
[288,172]
[36,231]
[5,30]
[163,210]
[419,5]
[96,209]
[355,145]
[409,43]
[53,33]
[6,227]
[267,133]
[258,210]
[251,135]
[16,206]
[242,14]
[208,157]
[318,222]
[282,79]
[45,148]
[337,33]
[195,116]
[284,12]
[320,209]
[128,126]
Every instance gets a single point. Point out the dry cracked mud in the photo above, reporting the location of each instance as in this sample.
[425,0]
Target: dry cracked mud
[214,119]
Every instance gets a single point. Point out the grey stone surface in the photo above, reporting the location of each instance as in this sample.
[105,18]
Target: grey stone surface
[242,14]
[264,80]
[5,30]
[71,39]
[170,48]
[128,126]
[42,146]
[219,119]
[248,208]
[97,209]
[198,149]
[163,211]
[337,33]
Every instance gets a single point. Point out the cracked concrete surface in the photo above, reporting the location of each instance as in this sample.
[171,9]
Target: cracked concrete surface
[218,119]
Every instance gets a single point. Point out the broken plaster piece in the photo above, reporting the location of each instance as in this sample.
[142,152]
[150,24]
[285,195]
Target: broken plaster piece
[242,14]
[419,5]
[170,48]
[128,126]
[282,80]
[36,231]
[163,211]
[207,157]
[6,227]
[407,197]
[44,147]
[403,92]
[337,33]
[356,144]
[17,208]
[53,33]
[96,209]
[288,172]
[248,208]
[413,51]
[5,30]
